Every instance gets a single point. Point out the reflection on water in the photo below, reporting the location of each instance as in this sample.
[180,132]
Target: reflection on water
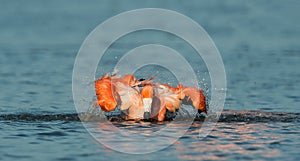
[238,139]
[227,141]
[139,137]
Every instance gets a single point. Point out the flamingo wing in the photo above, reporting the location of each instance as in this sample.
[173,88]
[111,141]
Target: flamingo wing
[106,97]
[130,100]
[158,109]
[195,97]
[169,96]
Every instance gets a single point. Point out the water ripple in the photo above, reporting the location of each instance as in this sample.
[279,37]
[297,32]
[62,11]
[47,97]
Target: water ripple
[226,116]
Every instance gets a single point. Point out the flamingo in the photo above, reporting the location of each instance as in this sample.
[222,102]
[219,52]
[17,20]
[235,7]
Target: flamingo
[152,101]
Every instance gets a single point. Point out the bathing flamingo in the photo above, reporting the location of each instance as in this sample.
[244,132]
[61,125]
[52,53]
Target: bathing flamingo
[154,99]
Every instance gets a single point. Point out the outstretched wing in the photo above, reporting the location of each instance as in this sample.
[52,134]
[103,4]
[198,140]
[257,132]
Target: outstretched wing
[106,97]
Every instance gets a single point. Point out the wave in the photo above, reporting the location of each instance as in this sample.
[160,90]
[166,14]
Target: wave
[226,116]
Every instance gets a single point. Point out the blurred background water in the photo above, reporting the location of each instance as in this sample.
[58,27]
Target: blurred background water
[258,41]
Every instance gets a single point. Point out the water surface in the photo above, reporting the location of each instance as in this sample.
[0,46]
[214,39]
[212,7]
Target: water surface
[258,41]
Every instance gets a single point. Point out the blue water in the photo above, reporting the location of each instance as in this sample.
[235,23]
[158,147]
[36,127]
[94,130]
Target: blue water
[258,41]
